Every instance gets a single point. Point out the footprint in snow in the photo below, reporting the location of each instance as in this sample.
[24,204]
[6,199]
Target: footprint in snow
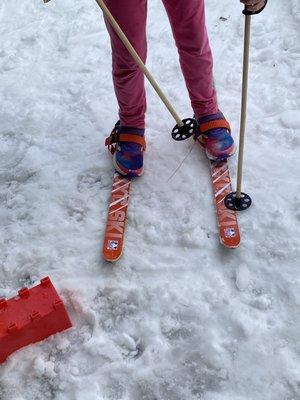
[131,348]
[92,178]
[13,149]
[76,209]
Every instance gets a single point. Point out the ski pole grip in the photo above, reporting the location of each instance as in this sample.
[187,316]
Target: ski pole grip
[247,12]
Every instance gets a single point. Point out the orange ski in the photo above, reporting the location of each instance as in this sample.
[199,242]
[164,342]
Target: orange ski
[227,220]
[116,219]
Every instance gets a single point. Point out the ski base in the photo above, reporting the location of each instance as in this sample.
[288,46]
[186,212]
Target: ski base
[227,219]
[116,219]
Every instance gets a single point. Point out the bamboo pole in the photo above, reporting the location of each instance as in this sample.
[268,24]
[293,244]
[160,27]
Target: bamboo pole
[244,104]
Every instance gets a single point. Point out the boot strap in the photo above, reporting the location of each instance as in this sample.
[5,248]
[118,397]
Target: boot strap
[210,125]
[116,137]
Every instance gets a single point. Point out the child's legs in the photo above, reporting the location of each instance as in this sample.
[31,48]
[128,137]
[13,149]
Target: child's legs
[187,19]
[127,77]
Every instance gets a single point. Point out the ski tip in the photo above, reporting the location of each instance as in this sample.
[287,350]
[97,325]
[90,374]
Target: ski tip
[232,242]
[111,251]
[230,246]
[111,260]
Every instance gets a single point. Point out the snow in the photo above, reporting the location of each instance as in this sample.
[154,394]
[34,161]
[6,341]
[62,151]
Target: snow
[242,277]
[179,317]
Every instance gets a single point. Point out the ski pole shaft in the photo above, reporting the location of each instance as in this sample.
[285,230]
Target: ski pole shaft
[139,61]
[244,104]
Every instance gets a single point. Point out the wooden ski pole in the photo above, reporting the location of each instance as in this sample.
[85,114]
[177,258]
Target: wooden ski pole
[244,105]
[238,200]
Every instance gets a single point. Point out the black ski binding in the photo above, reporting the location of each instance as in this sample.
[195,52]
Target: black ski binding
[188,129]
[237,204]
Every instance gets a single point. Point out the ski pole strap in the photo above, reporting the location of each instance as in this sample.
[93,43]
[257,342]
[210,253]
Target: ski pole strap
[210,125]
[247,12]
[116,137]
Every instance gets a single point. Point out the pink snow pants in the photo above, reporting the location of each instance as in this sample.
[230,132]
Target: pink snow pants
[187,18]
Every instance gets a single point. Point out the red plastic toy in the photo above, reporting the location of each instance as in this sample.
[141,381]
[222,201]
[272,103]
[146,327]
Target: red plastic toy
[30,317]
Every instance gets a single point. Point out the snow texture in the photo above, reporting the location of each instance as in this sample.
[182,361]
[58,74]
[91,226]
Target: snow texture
[179,317]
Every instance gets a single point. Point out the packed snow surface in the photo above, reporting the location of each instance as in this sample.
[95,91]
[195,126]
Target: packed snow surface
[179,317]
